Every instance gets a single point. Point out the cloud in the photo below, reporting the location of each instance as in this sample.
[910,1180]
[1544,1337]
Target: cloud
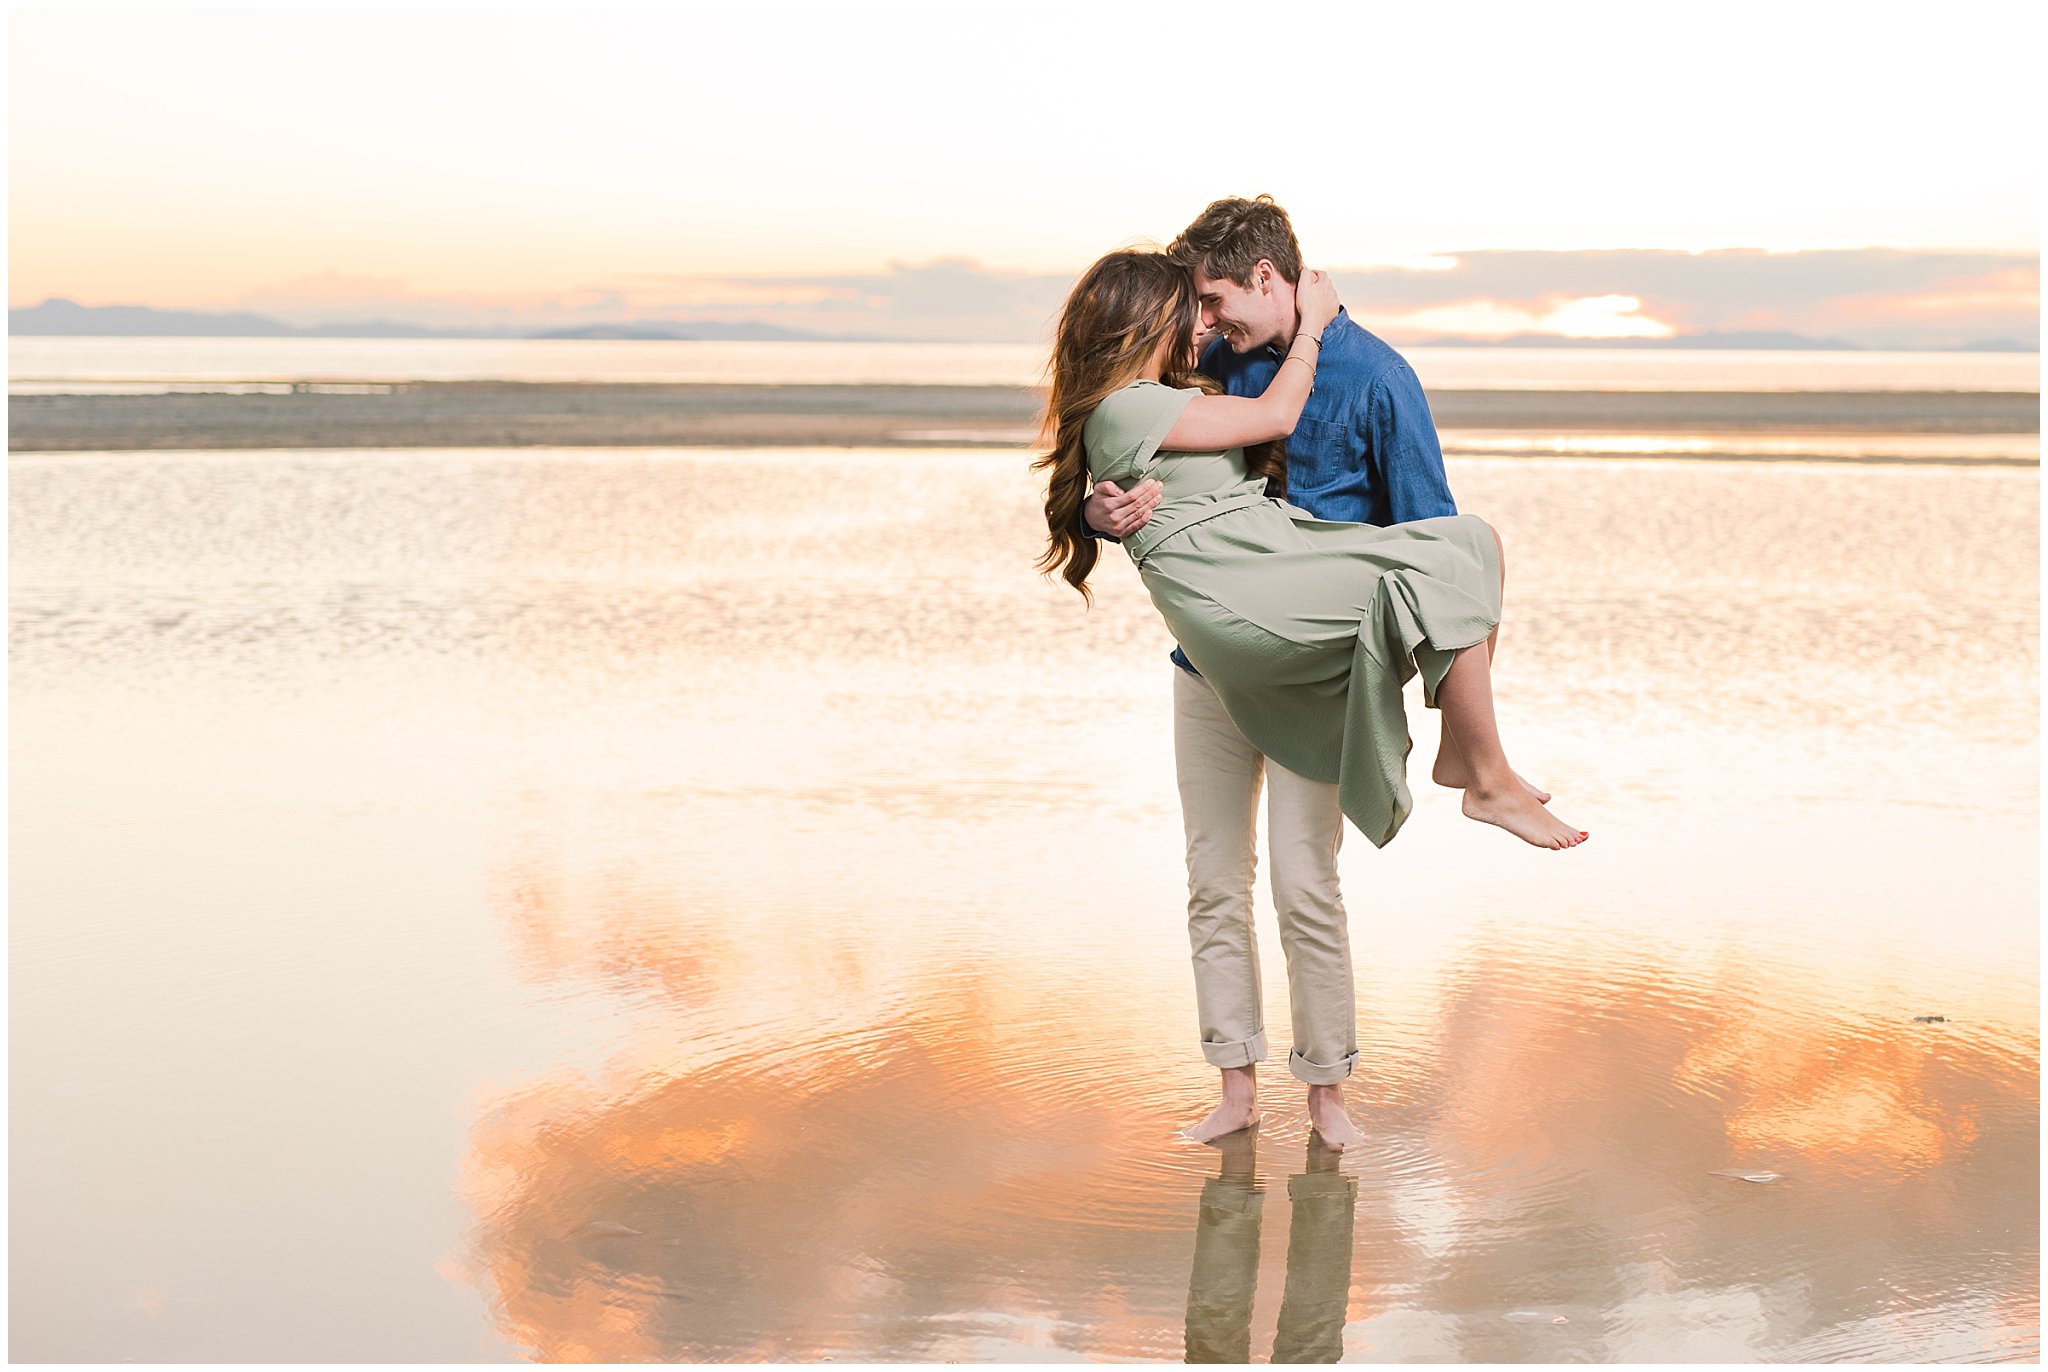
[1592,316]
[331,297]
[1870,297]
[2002,302]
[949,297]
[1874,297]
[946,299]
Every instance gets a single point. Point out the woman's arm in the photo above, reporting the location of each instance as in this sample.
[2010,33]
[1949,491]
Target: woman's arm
[1211,422]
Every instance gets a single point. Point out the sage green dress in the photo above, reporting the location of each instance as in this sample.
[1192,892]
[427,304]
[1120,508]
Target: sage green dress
[1306,628]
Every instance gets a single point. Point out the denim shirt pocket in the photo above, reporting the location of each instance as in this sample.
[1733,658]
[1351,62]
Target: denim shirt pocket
[1315,454]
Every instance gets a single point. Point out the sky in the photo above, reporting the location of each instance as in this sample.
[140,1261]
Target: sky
[777,161]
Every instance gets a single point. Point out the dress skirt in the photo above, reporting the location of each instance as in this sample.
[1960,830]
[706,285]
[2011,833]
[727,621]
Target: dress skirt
[1308,630]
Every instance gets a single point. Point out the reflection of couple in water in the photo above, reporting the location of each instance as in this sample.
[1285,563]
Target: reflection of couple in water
[1225,1278]
[1298,620]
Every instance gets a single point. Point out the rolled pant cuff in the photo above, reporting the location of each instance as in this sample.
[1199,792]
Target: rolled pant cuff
[1316,1073]
[1241,1053]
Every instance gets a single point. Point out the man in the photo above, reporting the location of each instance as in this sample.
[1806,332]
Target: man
[1365,451]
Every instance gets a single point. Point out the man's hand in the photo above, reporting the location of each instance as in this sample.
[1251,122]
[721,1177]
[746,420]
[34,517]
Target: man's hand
[1117,512]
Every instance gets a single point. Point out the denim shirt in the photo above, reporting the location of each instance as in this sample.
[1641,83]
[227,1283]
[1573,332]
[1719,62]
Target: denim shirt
[1365,450]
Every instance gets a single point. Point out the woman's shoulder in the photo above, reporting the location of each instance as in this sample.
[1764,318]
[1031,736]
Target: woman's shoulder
[1137,402]
[1130,424]
[1145,393]
[1142,390]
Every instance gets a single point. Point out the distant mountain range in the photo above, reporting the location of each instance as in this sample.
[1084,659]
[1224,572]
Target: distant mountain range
[58,317]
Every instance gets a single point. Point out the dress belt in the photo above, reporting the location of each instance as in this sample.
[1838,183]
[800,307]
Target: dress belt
[1197,514]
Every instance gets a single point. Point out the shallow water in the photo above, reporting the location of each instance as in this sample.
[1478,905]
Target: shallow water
[65,365]
[585,905]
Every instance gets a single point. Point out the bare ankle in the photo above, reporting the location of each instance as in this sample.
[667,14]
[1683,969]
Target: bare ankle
[1494,782]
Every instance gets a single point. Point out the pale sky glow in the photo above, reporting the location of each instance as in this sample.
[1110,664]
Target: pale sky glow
[200,159]
[1597,316]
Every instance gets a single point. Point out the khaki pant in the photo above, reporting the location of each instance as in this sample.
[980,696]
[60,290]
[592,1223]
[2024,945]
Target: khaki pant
[1219,800]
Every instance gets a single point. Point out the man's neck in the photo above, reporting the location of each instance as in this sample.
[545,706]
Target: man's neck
[1281,341]
[1285,338]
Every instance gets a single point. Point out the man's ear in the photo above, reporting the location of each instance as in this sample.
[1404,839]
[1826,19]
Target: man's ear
[1263,274]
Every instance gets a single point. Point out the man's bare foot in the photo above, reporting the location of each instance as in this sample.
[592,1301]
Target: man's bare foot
[1453,773]
[1326,1115]
[1226,1118]
[1516,811]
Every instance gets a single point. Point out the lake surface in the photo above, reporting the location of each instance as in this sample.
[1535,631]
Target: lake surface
[701,905]
[127,365]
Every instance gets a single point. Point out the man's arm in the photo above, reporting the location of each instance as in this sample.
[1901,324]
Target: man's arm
[1110,512]
[1402,436]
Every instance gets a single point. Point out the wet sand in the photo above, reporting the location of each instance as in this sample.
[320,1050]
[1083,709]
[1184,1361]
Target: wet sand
[470,414]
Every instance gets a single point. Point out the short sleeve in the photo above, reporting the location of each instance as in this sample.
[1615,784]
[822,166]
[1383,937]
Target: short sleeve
[1128,427]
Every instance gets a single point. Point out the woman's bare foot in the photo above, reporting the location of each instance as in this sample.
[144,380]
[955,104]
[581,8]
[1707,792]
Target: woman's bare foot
[1226,1118]
[1516,811]
[1326,1114]
[1452,772]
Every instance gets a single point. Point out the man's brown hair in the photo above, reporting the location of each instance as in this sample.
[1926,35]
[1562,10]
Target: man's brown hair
[1228,239]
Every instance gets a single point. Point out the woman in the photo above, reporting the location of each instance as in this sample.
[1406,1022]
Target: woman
[1306,628]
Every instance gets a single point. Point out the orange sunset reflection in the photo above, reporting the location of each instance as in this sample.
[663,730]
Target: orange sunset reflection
[738,1214]
[865,1170]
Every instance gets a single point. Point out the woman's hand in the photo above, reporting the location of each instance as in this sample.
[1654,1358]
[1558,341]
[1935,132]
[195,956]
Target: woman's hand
[1315,299]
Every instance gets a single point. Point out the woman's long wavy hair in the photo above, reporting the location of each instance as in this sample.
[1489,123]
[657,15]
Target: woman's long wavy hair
[1115,318]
